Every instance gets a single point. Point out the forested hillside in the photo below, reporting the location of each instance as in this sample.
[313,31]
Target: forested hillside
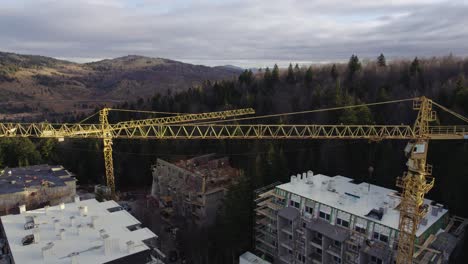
[38,88]
[272,91]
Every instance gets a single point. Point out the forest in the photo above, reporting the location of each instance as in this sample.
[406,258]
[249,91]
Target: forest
[270,91]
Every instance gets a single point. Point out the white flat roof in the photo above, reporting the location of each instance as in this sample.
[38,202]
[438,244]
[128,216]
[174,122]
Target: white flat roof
[370,197]
[114,225]
[250,258]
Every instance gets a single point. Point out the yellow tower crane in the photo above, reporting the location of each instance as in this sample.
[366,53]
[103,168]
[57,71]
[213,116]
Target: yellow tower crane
[415,183]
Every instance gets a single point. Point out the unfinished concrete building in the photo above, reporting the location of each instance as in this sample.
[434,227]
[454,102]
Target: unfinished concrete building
[193,189]
[322,219]
[35,186]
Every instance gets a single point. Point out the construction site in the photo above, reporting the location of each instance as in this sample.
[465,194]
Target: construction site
[311,219]
[322,219]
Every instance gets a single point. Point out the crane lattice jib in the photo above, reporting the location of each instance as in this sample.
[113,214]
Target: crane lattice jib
[231,131]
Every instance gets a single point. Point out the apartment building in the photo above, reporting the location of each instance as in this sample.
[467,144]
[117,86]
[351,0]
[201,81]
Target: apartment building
[193,189]
[322,219]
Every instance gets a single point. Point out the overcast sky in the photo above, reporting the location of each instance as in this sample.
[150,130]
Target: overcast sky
[247,33]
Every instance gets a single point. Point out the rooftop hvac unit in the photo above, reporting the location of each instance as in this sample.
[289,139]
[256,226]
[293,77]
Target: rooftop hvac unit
[27,240]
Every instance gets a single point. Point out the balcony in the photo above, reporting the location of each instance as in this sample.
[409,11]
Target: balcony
[334,250]
[287,231]
[286,259]
[315,257]
[316,242]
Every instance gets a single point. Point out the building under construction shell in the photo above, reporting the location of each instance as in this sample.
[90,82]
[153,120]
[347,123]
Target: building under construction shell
[35,186]
[322,219]
[193,189]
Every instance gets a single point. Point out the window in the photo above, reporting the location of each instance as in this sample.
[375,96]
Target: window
[319,236]
[324,216]
[309,209]
[290,237]
[381,237]
[304,224]
[301,257]
[294,204]
[318,250]
[359,229]
[290,222]
[290,252]
[336,243]
[336,259]
[376,260]
[342,222]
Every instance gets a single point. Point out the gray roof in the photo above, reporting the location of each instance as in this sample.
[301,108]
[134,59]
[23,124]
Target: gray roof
[328,230]
[378,249]
[17,179]
[445,242]
[289,213]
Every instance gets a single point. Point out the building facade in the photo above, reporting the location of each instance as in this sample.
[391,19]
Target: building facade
[35,186]
[322,219]
[193,189]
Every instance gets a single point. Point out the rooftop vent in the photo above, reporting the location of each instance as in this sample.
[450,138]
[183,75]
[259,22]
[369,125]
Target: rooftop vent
[130,246]
[62,234]
[22,209]
[47,250]
[74,257]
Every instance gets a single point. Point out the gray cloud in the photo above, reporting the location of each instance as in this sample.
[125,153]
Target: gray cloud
[243,32]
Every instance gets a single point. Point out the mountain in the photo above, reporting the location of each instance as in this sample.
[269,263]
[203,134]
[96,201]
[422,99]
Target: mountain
[31,86]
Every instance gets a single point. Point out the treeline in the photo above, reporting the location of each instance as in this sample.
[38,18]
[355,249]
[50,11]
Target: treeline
[297,88]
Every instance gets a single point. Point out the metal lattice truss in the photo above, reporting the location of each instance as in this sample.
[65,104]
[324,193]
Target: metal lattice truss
[132,129]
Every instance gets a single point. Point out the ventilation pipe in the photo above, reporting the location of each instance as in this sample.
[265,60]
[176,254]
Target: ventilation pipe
[94,221]
[62,234]
[37,235]
[107,244]
[74,258]
[47,250]
[77,199]
[56,224]
[130,246]
[46,210]
[62,206]
[72,220]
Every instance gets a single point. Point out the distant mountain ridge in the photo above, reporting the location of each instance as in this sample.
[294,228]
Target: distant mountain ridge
[35,84]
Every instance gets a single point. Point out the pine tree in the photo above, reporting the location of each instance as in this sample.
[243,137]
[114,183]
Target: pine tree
[353,65]
[290,78]
[308,76]
[415,67]
[381,61]
[334,72]
[267,75]
[275,74]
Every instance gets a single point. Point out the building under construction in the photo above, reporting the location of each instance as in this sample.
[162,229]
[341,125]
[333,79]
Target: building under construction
[322,219]
[35,186]
[193,189]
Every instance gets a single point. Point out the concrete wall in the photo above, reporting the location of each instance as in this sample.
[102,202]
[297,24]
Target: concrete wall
[35,198]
